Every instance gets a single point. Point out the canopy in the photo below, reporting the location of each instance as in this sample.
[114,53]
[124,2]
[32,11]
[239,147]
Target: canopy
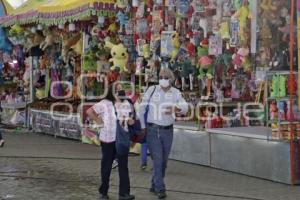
[54,12]
[5,8]
[60,12]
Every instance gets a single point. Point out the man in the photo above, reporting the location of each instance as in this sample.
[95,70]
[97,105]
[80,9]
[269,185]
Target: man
[163,102]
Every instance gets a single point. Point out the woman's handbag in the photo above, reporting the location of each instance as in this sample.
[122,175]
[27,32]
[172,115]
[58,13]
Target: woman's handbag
[122,140]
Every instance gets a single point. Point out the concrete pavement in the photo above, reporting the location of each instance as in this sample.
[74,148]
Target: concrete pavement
[41,167]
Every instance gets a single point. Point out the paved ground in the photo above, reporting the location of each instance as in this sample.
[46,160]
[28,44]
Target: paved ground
[39,167]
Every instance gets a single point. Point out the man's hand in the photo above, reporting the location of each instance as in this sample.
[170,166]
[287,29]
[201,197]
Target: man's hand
[172,109]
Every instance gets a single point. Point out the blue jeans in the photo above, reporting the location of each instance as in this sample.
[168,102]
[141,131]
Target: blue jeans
[159,143]
[144,148]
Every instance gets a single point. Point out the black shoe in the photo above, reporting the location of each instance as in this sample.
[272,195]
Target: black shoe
[152,190]
[104,197]
[161,195]
[126,197]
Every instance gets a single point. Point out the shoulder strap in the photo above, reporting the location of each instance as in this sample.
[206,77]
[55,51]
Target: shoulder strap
[151,95]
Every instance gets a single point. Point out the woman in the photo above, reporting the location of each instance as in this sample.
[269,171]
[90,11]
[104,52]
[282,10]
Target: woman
[164,103]
[105,113]
[1,141]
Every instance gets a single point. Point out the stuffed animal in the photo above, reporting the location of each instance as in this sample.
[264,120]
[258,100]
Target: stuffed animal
[176,45]
[243,14]
[239,57]
[285,30]
[224,30]
[119,55]
[267,8]
[206,73]
[69,40]
[146,51]
[121,4]
[202,50]
[203,23]
[51,38]
[5,45]
[112,28]
[121,19]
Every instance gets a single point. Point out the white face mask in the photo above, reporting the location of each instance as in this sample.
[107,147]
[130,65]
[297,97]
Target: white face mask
[164,83]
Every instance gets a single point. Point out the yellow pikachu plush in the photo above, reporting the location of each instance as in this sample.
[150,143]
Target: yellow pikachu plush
[119,55]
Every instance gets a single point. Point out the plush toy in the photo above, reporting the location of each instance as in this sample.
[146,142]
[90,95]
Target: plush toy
[243,14]
[206,72]
[121,4]
[176,45]
[5,45]
[224,30]
[146,51]
[264,56]
[51,38]
[119,55]
[69,40]
[121,19]
[112,28]
[239,57]
[285,30]
[15,30]
[267,9]
[203,23]
[202,50]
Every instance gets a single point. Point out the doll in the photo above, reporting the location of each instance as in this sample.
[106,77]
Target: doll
[121,19]
[285,30]
[239,57]
[176,45]
[243,14]
[206,73]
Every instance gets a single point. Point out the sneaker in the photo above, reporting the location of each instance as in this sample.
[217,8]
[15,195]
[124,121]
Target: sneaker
[161,195]
[115,164]
[144,167]
[126,197]
[1,143]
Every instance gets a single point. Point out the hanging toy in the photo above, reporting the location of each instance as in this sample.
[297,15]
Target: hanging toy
[121,19]
[119,55]
[224,30]
[176,45]
[202,50]
[5,45]
[239,57]
[285,30]
[242,15]
[121,4]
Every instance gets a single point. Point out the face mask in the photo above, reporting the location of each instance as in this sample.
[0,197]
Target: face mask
[121,95]
[164,83]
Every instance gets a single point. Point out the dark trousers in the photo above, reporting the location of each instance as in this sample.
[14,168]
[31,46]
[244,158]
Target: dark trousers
[1,136]
[108,155]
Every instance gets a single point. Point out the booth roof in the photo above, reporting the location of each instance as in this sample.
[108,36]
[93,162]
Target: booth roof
[9,9]
[54,12]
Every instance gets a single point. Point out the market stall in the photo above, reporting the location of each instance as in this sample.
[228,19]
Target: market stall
[233,69]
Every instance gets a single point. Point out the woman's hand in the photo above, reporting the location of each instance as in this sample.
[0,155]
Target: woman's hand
[130,121]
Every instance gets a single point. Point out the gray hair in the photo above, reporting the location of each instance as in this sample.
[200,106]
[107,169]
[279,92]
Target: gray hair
[168,73]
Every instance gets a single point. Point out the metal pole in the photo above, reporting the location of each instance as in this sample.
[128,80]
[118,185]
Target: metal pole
[291,45]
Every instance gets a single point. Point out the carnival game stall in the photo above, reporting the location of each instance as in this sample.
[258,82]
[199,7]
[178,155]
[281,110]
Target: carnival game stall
[234,61]
[13,101]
